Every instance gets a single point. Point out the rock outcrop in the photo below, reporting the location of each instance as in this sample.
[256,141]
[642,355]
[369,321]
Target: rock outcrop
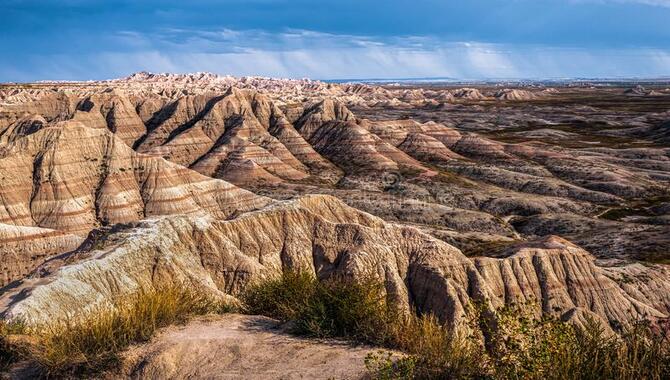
[23,248]
[321,235]
[469,94]
[514,94]
[71,179]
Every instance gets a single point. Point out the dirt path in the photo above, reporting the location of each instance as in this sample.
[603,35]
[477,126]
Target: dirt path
[242,347]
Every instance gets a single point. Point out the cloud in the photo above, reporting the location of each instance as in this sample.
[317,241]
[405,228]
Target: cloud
[655,3]
[305,53]
[658,3]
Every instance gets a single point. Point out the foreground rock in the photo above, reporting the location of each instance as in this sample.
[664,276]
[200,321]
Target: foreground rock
[322,235]
[239,346]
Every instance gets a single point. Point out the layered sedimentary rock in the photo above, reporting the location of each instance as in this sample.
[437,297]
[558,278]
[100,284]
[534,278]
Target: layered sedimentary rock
[561,277]
[321,235]
[240,134]
[73,178]
[258,135]
[23,126]
[113,110]
[23,248]
[139,160]
[514,94]
[641,91]
[70,178]
[469,94]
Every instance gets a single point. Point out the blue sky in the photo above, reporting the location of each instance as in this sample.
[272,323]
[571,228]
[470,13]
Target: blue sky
[328,39]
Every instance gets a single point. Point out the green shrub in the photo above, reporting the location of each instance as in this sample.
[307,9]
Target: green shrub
[12,347]
[7,353]
[521,346]
[383,365]
[340,307]
[358,311]
[336,307]
[283,297]
[438,352]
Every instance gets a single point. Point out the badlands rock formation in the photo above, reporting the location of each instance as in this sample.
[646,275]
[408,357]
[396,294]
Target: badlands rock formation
[469,94]
[448,195]
[514,94]
[67,179]
[323,236]
[641,91]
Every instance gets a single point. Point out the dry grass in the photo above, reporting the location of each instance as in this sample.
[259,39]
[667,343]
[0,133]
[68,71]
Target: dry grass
[434,350]
[91,345]
[283,298]
[525,347]
[9,353]
[508,344]
[358,311]
[337,307]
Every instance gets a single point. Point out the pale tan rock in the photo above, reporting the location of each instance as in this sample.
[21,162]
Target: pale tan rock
[24,126]
[323,236]
[319,114]
[469,94]
[118,114]
[228,130]
[71,179]
[514,94]
[558,277]
[287,137]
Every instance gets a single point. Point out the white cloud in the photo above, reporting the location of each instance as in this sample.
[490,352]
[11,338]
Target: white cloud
[303,53]
[660,3]
[656,3]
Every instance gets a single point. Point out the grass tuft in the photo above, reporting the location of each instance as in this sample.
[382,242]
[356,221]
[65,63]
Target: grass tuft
[92,345]
[9,351]
[337,307]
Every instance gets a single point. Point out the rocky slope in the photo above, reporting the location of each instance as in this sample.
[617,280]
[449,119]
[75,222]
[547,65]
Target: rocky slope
[68,179]
[110,187]
[323,236]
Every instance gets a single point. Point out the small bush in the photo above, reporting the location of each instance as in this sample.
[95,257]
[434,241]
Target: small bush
[336,307]
[383,365]
[8,353]
[93,344]
[437,352]
[284,297]
[524,347]
[358,310]
[341,307]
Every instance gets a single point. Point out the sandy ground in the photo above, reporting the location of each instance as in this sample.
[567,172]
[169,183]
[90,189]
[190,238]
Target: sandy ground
[242,347]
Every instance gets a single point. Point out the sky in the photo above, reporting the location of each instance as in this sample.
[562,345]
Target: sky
[335,39]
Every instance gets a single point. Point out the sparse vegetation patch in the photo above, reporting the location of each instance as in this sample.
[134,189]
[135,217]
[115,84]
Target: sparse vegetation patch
[92,345]
[511,343]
